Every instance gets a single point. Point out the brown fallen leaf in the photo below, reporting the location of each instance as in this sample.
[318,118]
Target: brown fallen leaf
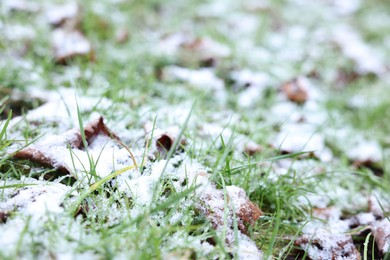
[72,138]
[252,148]
[68,44]
[381,233]
[212,205]
[247,211]
[67,15]
[95,128]
[163,140]
[207,48]
[35,155]
[295,91]
[3,216]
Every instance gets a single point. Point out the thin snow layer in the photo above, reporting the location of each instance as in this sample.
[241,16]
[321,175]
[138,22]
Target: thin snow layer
[365,151]
[202,78]
[327,240]
[58,14]
[367,60]
[298,137]
[17,32]
[36,199]
[69,43]
[356,145]
[103,155]
[60,109]
[255,84]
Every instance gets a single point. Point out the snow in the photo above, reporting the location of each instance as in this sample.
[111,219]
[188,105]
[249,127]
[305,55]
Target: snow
[70,43]
[365,151]
[58,14]
[367,60]
[35,200]
[298,137]
[202,78]
[17,32]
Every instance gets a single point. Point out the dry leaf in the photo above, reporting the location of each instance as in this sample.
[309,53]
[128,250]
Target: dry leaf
[212,205]
[252,148]
[72,138]
[295,91]
[381,233]
[69,44]
[206,49]
[163,140]
[68,15]
[3,216]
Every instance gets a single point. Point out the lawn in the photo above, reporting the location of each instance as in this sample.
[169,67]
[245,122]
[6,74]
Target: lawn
[197,129]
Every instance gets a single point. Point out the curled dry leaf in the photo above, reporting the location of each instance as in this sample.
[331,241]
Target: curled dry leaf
[67,15]
[163,140]
[3,216]
[381,233]
[296,91]
[69,44]
[43,154]
[95,128]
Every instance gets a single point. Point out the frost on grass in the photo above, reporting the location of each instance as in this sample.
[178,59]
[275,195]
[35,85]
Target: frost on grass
[101,154]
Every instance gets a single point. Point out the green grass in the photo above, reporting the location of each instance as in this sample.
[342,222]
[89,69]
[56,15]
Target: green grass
[127,74]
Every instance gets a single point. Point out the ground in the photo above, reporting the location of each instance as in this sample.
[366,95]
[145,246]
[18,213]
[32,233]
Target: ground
[194,129]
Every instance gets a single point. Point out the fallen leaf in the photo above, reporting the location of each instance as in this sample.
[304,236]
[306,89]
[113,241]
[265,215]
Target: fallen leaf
[68,44]
[3,216]
[206,49]
[295,91]
[381,233]
[67,15]
[212,205]
[247,211]
[163,140]
[252,148]
[42,154]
